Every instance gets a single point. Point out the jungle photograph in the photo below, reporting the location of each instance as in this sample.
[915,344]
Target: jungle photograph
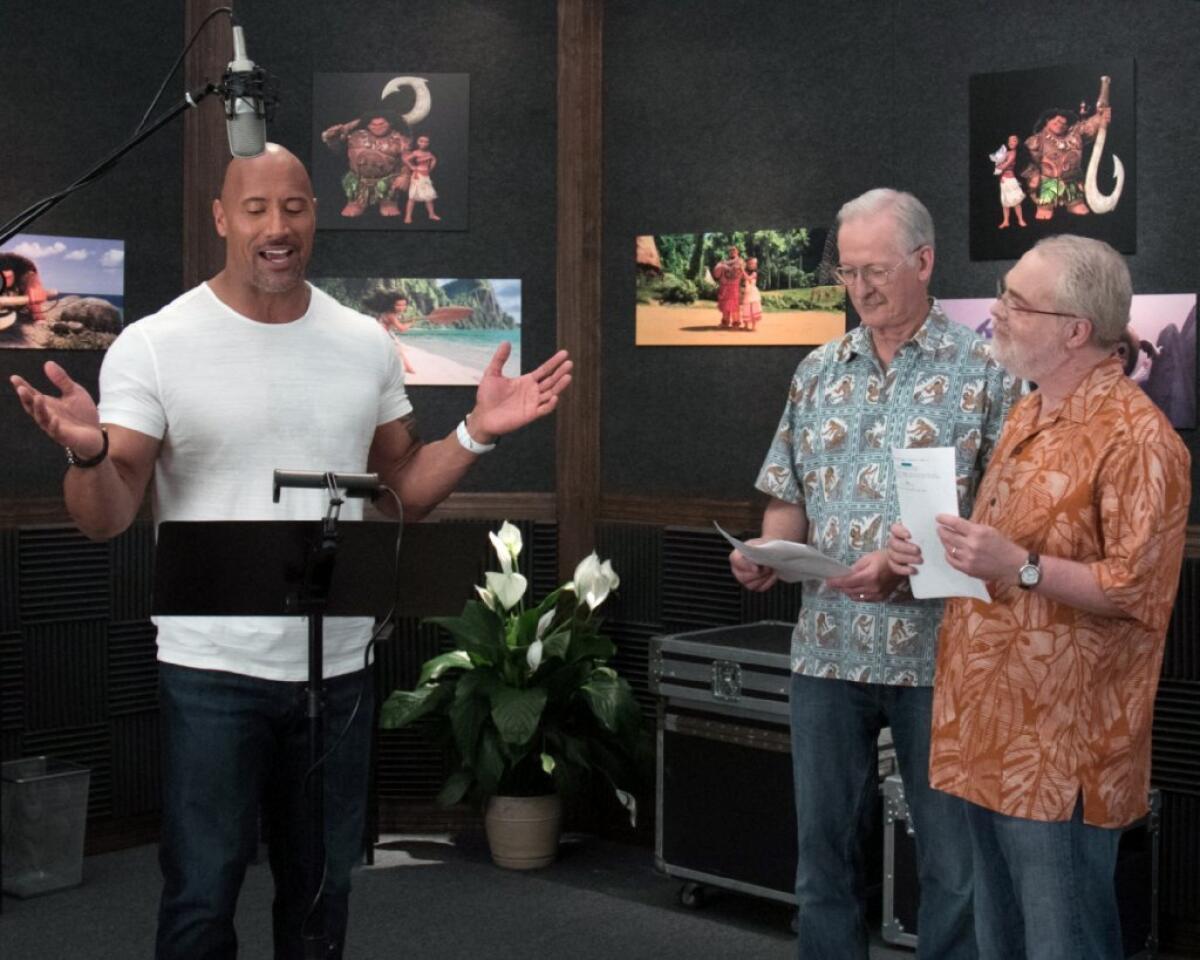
[747,288]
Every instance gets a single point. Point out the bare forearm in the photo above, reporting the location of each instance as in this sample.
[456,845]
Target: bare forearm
[784,521]
[100,501]
[428,477]
[1072,583]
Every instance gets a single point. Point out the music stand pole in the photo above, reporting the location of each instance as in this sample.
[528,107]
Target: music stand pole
[312,600]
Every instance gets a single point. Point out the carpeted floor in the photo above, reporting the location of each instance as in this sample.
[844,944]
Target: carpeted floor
[428,898]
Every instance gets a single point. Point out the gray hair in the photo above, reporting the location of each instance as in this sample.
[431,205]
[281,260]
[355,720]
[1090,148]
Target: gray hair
[913,220]
[1093,282]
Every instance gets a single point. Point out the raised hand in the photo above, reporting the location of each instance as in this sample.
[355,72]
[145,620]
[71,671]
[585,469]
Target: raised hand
[504,404]
[70,419]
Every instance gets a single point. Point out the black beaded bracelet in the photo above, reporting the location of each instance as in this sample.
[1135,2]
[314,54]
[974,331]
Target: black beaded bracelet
[95,461]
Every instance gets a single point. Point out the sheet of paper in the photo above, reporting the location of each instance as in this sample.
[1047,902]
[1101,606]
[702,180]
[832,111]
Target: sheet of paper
[793,561]
[925,487]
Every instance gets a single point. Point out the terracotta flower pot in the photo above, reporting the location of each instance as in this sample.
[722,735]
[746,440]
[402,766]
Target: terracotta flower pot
[523,831]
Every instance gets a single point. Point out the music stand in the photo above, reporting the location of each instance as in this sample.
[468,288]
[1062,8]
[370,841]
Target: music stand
[290,568]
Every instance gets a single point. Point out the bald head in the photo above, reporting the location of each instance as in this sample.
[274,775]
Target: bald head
[274,162]
[267,215]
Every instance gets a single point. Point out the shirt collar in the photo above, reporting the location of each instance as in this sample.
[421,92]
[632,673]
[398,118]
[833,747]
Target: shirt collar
[1082,403]
[931,336]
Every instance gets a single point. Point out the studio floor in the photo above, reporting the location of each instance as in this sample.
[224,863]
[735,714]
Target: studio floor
[433,898]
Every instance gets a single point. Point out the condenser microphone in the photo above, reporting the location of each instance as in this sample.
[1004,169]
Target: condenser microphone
[244,88]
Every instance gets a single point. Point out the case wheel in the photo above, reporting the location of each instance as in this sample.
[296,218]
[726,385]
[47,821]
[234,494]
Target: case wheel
[693,895]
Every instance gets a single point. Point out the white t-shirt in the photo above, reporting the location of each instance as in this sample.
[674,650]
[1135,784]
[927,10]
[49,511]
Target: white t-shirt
[233,399]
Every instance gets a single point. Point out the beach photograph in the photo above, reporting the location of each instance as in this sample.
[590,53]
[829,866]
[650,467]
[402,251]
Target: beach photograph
[752,288]
[61,293]
[444,331]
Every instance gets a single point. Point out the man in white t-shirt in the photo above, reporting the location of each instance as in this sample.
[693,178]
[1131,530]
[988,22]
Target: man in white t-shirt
[251,371]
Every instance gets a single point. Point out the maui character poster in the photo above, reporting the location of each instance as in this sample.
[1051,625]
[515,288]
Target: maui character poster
[61,293]
[1052,151]
[390,150]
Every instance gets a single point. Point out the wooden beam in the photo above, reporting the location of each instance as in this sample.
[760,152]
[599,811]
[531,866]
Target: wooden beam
[205,150]
[577,274]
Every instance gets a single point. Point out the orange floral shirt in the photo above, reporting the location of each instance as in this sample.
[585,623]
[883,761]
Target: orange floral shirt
[1034,700]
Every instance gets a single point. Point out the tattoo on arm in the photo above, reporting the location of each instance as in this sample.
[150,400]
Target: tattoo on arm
[409,422]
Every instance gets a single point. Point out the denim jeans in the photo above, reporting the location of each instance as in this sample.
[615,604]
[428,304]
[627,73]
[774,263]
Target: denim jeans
[232,746]
[1044,891]
[835,725]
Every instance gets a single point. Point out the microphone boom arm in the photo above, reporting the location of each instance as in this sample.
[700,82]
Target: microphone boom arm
[32,213]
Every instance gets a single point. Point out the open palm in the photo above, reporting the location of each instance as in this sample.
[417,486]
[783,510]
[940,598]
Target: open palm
[504,404]
[71,418]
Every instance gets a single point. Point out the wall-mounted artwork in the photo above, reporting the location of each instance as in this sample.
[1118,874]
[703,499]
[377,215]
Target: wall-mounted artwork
[61,293]
[1159,351]
[444,331]
[390,150]
[742,289]
[1052,151]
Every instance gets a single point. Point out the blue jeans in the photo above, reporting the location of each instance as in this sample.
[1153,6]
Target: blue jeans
[1044,891]
[835,725]
[233,745]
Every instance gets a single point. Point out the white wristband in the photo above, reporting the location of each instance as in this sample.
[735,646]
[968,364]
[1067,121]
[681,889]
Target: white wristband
[470,443]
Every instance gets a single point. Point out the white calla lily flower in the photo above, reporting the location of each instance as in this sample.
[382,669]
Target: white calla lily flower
[543,623]
[486,595]
[510,536]
[507,588]
[594,580]
[533,656]
[502,553]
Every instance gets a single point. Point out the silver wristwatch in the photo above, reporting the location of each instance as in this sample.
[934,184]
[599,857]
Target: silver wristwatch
[1030,574]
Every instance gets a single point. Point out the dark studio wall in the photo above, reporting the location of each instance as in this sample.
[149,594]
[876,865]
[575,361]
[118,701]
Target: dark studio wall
[723,116]
[508,48]
[77,78]
[716,114]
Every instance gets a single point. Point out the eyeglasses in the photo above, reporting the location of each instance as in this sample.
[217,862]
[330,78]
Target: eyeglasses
[872,274]
[1006,300]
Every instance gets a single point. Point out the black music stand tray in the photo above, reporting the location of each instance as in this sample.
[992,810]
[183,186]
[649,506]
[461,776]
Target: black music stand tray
[292,568]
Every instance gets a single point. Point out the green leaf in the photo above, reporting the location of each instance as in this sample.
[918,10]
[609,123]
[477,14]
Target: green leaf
[587,644]
[455,788]
[548,763]
[525,629]
[455,659]
[607,698]
[556,642]
[405,706]
[479,631]
[467,715]
[516,712]
[489,763]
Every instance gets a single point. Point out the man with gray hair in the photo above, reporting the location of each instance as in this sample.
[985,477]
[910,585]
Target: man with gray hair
[1045,696]
[863,649]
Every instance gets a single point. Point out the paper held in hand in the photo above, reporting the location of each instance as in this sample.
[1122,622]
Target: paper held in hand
[792,561]
[925,487]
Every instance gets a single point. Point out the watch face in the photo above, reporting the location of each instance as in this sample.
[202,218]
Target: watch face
[1029,575]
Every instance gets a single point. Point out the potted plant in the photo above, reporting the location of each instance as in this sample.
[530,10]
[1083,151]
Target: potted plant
[527,707]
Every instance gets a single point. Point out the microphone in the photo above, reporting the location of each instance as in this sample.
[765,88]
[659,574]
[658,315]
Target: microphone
[355,484]
[250,99]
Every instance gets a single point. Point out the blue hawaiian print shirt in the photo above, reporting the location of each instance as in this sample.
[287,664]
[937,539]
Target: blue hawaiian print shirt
[832,455]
